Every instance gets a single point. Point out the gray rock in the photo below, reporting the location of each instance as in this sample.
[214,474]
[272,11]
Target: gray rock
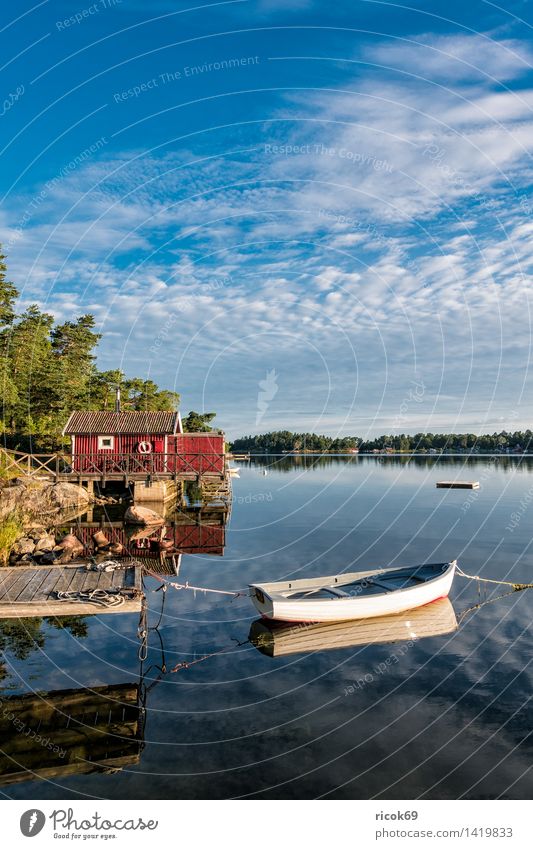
[25,545]
[46,543]
[136,515]
[39,498]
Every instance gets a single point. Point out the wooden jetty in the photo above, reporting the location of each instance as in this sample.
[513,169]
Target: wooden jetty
[32,591]
[457,484]
[69,732]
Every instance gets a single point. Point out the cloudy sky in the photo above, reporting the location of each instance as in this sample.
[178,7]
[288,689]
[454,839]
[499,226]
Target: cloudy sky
[300,214]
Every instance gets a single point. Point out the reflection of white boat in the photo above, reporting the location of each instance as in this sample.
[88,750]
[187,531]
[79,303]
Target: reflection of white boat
[234,471]
[277,639]
[357,595]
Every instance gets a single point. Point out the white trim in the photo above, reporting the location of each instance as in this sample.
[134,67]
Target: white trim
[101,447]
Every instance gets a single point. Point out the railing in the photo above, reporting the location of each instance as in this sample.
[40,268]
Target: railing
[23,463]
[197,463]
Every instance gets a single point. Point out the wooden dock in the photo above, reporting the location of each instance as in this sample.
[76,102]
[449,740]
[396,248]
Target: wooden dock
[32,591]
[457,484]
[70,732]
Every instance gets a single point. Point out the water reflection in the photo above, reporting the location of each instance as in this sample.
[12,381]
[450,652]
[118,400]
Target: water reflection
[449,719]
[199,530]
[66,732]
[277,639]
[21,637]
[289,462]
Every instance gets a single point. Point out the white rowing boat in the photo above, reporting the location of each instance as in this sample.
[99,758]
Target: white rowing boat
[355,595]
[277,639]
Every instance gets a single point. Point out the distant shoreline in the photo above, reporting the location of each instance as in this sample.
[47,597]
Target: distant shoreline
[380,455]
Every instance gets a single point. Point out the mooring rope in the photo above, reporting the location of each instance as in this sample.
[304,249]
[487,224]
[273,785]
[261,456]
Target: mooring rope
[512,584]
[185,664]
[186,586]
[105,598]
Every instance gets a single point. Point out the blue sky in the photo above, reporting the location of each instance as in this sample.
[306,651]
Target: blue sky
[303,215]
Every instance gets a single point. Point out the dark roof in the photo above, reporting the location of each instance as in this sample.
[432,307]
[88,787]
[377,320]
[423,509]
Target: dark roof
[126,422]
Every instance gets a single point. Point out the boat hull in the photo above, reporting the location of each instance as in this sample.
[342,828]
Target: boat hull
[271,603]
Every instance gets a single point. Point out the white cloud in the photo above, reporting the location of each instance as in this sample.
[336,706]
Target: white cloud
[349,274]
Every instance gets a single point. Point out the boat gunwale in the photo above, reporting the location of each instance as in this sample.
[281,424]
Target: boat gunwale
[274,590]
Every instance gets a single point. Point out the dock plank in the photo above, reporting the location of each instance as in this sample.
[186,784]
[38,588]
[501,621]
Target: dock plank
[30,591]
[33,585]
[22,578]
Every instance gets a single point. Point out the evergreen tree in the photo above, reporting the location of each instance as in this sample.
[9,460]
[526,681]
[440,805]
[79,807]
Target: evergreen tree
[72,365]
[198,422]
[28,357]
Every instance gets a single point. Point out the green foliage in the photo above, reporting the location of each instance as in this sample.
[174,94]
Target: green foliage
[135,393]
[11,528]
[198,422]
[284,440]
[281,441]
[48,370]
[8,297]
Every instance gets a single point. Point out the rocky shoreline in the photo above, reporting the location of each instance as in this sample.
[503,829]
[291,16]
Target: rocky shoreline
[37,506]
[33,497]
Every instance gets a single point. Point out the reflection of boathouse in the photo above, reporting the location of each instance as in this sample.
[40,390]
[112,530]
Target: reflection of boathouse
[69,732]
[191,532]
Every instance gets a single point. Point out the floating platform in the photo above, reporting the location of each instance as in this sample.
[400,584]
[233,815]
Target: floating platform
[457,484]
[32,591]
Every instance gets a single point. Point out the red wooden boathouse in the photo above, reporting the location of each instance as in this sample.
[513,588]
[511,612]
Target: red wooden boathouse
[136,443]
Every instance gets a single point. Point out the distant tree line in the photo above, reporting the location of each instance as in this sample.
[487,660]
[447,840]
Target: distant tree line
[49,369]
[284,440]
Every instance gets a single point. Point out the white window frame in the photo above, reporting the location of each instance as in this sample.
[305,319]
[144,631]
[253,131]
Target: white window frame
[102,447]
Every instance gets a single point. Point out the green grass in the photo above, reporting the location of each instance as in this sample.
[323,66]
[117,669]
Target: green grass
[11,529]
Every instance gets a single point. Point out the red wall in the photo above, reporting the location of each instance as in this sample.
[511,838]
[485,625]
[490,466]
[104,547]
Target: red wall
[188,539]
[187,452]
[202,453]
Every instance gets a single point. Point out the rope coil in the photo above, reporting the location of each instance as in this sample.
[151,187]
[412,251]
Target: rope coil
[105,598]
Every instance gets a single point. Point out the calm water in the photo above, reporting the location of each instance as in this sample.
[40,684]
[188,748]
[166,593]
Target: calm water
[450,716]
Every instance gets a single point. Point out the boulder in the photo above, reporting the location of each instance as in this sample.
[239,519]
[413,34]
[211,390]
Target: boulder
[46,543]
[35,497]
[100,540]
[71,547]
[63,495]
[23,546]
[136,515]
